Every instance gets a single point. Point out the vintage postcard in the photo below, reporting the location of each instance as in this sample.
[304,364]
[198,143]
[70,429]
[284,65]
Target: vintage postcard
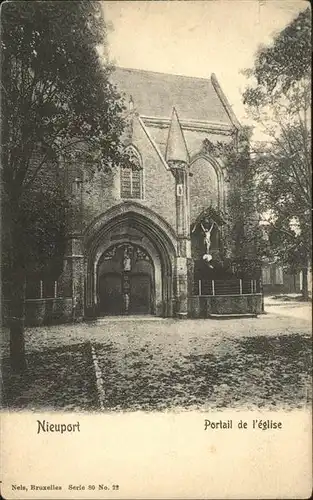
[156,249]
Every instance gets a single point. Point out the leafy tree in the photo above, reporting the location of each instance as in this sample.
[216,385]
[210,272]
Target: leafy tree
[278,99]
[58,108]
[287,60]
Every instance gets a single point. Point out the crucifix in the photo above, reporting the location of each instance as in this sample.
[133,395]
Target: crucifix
[207,236]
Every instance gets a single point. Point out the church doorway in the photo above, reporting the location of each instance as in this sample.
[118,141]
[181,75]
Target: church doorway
[125,281]
[129,257]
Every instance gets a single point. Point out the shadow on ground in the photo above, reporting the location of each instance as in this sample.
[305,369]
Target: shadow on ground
[244,373]
[268,372]
[60,378]
[290,298]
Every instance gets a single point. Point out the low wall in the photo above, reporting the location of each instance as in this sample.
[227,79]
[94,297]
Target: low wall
[43,311]
[52,311]
[204,306]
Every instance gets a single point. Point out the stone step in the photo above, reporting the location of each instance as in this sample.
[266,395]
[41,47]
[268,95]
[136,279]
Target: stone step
[134,317]
[232,316]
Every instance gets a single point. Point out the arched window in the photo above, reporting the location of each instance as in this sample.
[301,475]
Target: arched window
[131,175]
[205,187]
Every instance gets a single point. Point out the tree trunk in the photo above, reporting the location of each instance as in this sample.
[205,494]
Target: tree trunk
[17,283]
[305,290]
[17,320]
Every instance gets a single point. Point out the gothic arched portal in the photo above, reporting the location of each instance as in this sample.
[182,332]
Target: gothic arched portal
[129,259]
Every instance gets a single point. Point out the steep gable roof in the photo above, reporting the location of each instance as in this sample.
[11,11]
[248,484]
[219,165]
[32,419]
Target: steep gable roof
[155,94]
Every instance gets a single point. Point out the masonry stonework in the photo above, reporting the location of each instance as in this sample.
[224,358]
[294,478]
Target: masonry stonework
[135,239]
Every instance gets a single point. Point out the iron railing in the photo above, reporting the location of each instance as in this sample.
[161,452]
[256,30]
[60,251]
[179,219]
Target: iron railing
[226,287]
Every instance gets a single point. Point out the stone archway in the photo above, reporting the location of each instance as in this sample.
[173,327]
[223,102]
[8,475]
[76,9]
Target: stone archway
[137,227]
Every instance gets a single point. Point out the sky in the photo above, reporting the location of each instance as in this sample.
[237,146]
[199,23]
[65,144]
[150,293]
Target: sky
[196,37]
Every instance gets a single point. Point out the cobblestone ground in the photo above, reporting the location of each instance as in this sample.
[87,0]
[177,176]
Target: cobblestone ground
[166,364]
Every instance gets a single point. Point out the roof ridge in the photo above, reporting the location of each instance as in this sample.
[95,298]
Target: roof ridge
[138,70]
[225,102]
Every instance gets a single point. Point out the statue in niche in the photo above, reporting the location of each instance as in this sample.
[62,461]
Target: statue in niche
[126,260]
[207,257]
[207,236]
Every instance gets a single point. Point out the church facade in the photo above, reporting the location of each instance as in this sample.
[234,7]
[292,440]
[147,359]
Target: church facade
[148,238]
[142,232]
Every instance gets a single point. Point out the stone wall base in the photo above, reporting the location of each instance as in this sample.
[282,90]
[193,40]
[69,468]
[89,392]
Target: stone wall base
[60,310]
[204,306]
[45,311]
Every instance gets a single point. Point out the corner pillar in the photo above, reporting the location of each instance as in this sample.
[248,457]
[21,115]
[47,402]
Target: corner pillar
[179,171]
[72,281]
[71,284]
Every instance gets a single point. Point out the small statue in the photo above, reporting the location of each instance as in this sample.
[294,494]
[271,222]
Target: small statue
[126,261]
[207,237]
[207,257]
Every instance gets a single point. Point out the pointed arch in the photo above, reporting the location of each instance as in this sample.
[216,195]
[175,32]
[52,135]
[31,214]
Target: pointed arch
[127,223]
[134,155]
[206,184]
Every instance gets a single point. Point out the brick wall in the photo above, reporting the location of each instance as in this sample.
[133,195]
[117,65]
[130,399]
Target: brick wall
[158,185]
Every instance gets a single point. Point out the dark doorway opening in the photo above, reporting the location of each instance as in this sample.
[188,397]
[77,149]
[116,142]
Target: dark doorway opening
[140,294]
[125,294]
[110,292]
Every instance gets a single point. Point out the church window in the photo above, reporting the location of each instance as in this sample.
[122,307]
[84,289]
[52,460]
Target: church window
[131,175]
[126,182]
